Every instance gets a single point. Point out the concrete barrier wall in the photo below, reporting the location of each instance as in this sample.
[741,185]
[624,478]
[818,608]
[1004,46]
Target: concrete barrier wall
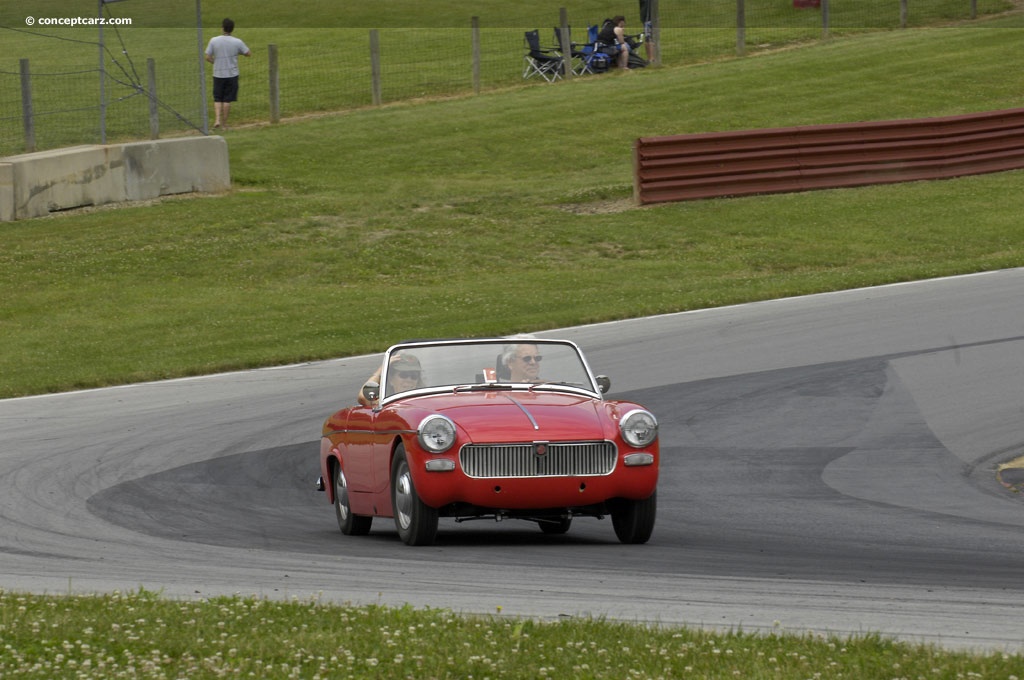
[36,184]
[687,167]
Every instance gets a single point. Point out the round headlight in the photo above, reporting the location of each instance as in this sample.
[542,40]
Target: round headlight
[437,433]
[639,428]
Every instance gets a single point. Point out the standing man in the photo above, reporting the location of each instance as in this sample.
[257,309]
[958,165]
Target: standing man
[223,52]
[648,23]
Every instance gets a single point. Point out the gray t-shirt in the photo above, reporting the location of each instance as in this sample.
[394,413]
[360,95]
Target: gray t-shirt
[225,50]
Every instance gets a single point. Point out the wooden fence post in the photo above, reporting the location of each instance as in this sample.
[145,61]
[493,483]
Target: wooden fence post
[655,36]
[375,65]
[475,27]
[154,110]
[741,28]
[565,47]
[28,120]
[275,84]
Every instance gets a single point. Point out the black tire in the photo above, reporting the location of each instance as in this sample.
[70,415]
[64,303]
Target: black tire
[350,525]
[557,526]
[634,520]
[416,522]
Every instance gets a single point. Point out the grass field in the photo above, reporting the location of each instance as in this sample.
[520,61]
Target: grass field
[426,50]
[500,213]
[494,13]
[140,635]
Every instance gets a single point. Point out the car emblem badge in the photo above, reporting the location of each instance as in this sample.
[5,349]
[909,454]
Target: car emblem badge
[540,448]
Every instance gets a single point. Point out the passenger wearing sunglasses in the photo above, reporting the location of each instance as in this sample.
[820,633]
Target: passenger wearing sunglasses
[404,374]
[523,361]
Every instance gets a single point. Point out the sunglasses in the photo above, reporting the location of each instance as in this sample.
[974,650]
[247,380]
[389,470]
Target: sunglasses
[408,375]
[530,359]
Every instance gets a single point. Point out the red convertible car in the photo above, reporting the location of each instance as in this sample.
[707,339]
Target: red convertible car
[500,428]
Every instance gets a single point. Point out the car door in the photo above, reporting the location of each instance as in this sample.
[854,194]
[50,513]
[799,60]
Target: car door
[357,452]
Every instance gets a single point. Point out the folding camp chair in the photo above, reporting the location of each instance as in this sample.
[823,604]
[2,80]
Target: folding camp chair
[594,58]
[538,61]
[577,54]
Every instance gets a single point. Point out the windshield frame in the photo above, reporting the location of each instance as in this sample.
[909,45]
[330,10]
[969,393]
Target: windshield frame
[589,389]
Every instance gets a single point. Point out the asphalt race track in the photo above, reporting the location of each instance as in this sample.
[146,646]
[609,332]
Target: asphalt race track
[828,465]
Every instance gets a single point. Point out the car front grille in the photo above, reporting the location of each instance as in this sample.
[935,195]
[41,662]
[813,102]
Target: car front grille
[561,459]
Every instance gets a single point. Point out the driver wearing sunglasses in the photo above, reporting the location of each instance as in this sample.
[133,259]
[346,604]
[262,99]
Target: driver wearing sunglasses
[404,373]
[523,361]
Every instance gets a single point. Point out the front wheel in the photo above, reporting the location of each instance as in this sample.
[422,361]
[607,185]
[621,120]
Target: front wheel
[350,525]
[634,520]
[415,520]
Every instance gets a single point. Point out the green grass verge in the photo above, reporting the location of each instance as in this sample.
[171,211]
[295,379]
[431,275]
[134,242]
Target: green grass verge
[324,55]
[494,13]
[500,213]
[140,635]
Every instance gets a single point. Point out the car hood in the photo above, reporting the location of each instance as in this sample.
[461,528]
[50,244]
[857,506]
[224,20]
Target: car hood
[525,416]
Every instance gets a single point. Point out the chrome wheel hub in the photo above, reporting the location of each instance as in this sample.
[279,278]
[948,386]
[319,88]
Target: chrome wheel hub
[341,494]
[403,498]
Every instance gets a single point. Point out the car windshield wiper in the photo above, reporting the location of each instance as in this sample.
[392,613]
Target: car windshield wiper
[494,386]
[559,383]
[483,387]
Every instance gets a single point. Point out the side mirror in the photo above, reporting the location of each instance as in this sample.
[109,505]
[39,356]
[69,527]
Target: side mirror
[371,391]
[604,383]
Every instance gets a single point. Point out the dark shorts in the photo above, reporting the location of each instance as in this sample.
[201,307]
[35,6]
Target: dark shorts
[225,89]
[645,11]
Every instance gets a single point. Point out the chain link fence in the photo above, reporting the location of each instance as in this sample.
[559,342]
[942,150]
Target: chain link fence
[62,86]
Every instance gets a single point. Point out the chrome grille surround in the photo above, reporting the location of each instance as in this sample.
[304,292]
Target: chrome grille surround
[561,459]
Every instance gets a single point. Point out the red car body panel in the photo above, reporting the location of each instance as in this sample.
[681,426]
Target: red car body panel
[363,440]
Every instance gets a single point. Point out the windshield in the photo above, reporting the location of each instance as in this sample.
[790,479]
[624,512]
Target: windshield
[485,365]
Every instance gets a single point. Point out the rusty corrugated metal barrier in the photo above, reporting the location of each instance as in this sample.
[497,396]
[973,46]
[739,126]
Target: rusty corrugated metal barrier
[709,165]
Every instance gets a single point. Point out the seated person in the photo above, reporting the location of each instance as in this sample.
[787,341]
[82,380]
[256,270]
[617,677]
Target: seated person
[404,373]
[613,35]
[523,362]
